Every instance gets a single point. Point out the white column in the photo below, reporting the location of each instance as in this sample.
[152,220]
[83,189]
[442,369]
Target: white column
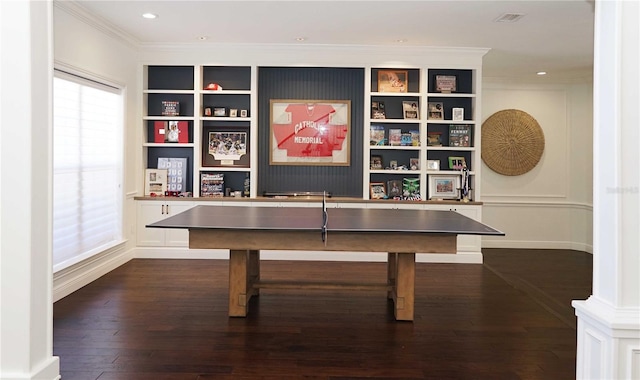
[26,319]
[609,320]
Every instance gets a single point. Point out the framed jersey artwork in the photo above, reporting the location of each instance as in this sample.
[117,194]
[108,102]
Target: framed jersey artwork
[310,132]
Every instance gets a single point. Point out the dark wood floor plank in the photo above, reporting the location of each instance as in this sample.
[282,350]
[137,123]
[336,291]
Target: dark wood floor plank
[167,319]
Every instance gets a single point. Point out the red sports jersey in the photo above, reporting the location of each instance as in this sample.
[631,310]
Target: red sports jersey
[310,132]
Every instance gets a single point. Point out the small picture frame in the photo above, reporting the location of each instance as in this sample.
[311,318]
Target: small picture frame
[457,114]
[443,186]
[208,111]
[219,112]
[233,112]
[433,164]
[410,110]
[445,84]
[244,113]
[435,111]
[414,164]
[394,188]
[377,110]
[155,182]
[457,163]
[393,164]
[393,80]
[375,163]
[377,190]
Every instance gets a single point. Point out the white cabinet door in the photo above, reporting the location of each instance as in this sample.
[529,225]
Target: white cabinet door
[153,211]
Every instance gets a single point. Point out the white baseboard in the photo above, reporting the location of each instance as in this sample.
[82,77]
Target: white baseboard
[47,370]
[515,244]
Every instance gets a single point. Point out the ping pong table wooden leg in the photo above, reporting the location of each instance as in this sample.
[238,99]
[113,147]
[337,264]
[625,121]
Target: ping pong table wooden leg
[254,271]
[239,287]
[392,265]
[405,286]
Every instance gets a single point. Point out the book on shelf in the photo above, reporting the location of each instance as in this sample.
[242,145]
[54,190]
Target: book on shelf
[434,138]
[377,110]
[377,135]
[212,185]
[411,187]
[460,135]
[395,137]
[170,108]
[176,173]
[415,138]
[171,131]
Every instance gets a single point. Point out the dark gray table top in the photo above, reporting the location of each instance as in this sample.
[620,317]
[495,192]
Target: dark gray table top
[339,219]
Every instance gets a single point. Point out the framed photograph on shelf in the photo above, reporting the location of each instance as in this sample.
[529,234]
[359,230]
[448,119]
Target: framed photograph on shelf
[377,190]
[310,132]
[457,114]
[377,110]
[155,182]
[219,112]
[225,146]
[393,80]
[445,83]
[375,163]
[414,164]
[233,112]
[443,186]
[244,113]
[410,110]
[457,163]
[435,111]
[394,188]
[433,164]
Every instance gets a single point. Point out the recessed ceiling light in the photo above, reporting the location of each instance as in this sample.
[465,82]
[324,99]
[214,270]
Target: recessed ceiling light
[541,73]
[300,39]
[149,15]
[203,38]
[401,40]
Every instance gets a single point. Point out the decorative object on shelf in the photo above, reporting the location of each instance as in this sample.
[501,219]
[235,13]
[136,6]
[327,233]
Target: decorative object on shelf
[457,163]
[411,188]
[225,146]
[394,188]
[460,135]
[457,114]
[176,172]
[171,131]
[512,142]
[375,163]
[435,111]
[434,138]
[395,137]
[393,164]
[465,187]
[415,138]
[376,134]
[393,80]
[445,83]
[377,110]
[213,87]
[244,113]
[377,190]
[414,164]
[443,186]
[170,108]
[212,185]
[233,112]
[208,111]
[410,109]
[155,182]
[310,132]
[219,112]
[433,164]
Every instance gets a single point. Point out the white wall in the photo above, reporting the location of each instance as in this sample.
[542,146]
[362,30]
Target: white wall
[81,47]
[550,206]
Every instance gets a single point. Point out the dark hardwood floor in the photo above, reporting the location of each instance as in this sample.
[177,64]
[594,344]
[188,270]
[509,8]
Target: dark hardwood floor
[509,318]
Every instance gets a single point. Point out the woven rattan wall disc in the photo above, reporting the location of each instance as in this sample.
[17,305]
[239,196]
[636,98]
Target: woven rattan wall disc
[512,142]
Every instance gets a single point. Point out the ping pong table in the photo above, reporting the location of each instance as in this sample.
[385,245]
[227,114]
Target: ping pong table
[245,230]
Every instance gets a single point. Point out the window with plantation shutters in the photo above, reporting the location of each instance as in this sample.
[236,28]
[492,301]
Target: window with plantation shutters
[87,168]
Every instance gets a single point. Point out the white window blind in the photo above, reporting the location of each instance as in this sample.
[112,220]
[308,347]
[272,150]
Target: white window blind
[87,168]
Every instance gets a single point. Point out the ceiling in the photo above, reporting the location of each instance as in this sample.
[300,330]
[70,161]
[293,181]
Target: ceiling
[552,36]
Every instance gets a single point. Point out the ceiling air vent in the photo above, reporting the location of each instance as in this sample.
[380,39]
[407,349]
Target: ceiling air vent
[509,17]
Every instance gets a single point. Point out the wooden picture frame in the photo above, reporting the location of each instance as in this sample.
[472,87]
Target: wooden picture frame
[410,110]
[377,190]
[225,147]
[443,186]
[310,132]
[393,80]
[445,84]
